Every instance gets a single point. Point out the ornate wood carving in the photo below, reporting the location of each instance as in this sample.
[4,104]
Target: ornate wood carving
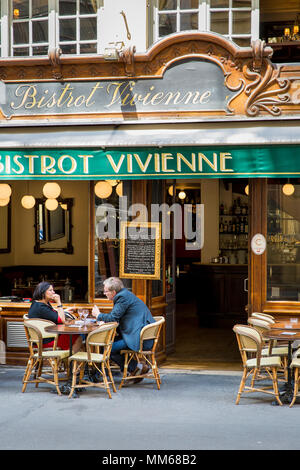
[262,88]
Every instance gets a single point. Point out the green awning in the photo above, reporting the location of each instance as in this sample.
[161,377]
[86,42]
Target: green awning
[151,162]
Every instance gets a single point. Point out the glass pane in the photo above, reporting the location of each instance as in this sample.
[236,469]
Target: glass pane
[219,22]
[241,3]
[40,31]
[107,241]
[67,30]
[283,241]
[21,33]
[67,7]
[21,51]
[39,8]
[188,4]
[219,3]
[188,21]
[88,6]
[88,29]
[68,48]
[20,9]
[242,42]
[88,48]
[241,22]
[167,4]
[40,50]
[167,24]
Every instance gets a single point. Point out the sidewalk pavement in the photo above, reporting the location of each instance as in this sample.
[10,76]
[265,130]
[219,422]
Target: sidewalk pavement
[194,410]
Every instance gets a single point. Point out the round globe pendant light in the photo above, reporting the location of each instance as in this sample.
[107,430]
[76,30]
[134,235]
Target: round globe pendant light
[28,202]
[119,189]
[51,204]
[288,189]
[5,191]
[182,195]
[103,189]
[4,201]
[51,190]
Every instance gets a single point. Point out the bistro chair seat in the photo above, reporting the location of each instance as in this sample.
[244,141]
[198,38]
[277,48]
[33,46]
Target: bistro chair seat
[151,331]
[38,357]
[250,343]
[102,337]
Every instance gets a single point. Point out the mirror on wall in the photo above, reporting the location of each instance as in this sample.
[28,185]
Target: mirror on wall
[5,229]
[53,228]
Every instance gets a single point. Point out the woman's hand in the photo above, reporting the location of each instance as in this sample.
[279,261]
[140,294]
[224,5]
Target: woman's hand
[56,299]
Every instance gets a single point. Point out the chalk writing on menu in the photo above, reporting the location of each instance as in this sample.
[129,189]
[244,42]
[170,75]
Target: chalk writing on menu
[140,256]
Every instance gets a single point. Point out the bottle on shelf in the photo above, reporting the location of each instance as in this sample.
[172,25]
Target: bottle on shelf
[221,227]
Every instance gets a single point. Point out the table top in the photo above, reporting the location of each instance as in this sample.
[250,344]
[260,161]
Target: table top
[290,324]
[72,328]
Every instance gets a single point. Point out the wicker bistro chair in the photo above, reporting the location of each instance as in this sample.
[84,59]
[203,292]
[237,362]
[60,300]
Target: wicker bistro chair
[250,342]
[101,337]
[264,316]
[270,349]
[151,331]
[35,333]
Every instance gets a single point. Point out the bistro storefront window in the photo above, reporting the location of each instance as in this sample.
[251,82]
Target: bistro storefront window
[283,240]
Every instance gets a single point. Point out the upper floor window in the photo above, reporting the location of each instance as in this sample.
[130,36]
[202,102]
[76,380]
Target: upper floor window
[31,27]
[234,19]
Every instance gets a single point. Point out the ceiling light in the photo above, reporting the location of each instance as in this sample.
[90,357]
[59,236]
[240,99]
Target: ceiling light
[288,189]
[5,191]
[182,195]
[119,189]
[51,204]
[51,190]
[28,202]
[4,201]
[103,189]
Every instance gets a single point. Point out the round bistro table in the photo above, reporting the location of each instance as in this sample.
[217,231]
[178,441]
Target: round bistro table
[71,328]
[289,332]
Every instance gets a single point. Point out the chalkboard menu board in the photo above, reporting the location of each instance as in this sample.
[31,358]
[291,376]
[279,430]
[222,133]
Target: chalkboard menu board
[140,250]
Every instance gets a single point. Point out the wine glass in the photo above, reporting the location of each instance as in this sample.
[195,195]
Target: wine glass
[85,315]
[80,313]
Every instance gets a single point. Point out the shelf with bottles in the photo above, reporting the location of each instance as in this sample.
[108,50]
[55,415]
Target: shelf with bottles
[238,208]
[233,225]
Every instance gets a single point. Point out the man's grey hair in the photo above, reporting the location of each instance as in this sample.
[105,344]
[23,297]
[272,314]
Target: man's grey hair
[113,283]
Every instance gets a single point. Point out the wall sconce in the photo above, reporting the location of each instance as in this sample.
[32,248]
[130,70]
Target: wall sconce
[287,33]
[113,52]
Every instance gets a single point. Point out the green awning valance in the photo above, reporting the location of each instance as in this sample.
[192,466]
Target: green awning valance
[151,162]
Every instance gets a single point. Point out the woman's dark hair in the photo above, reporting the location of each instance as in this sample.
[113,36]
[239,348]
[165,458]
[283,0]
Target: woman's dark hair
[39,292]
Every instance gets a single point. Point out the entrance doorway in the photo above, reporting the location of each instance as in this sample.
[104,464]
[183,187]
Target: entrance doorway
[209,294]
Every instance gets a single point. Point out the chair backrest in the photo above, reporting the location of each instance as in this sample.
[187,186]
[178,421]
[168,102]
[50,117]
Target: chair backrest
[152,331]
[25,316]
[249,341]
[102,336]
[263,316]
[35,333]
[260,325]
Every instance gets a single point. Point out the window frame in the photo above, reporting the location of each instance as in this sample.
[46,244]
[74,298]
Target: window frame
[204,18]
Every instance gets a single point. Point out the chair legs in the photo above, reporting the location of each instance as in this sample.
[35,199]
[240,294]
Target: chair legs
[252,388]
[296,386]
[37,364]
[78,367]
[151,374]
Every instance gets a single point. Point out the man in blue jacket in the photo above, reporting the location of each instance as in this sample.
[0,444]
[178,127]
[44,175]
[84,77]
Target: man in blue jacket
[132,315]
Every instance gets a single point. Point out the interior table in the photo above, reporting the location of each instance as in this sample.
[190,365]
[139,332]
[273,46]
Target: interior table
[71,328]
[289,332]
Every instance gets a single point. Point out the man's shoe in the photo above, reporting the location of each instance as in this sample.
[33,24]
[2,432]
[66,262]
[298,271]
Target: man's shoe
[143,371]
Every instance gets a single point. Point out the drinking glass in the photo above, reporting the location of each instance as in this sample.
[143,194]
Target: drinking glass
[80,313]
[85,315]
